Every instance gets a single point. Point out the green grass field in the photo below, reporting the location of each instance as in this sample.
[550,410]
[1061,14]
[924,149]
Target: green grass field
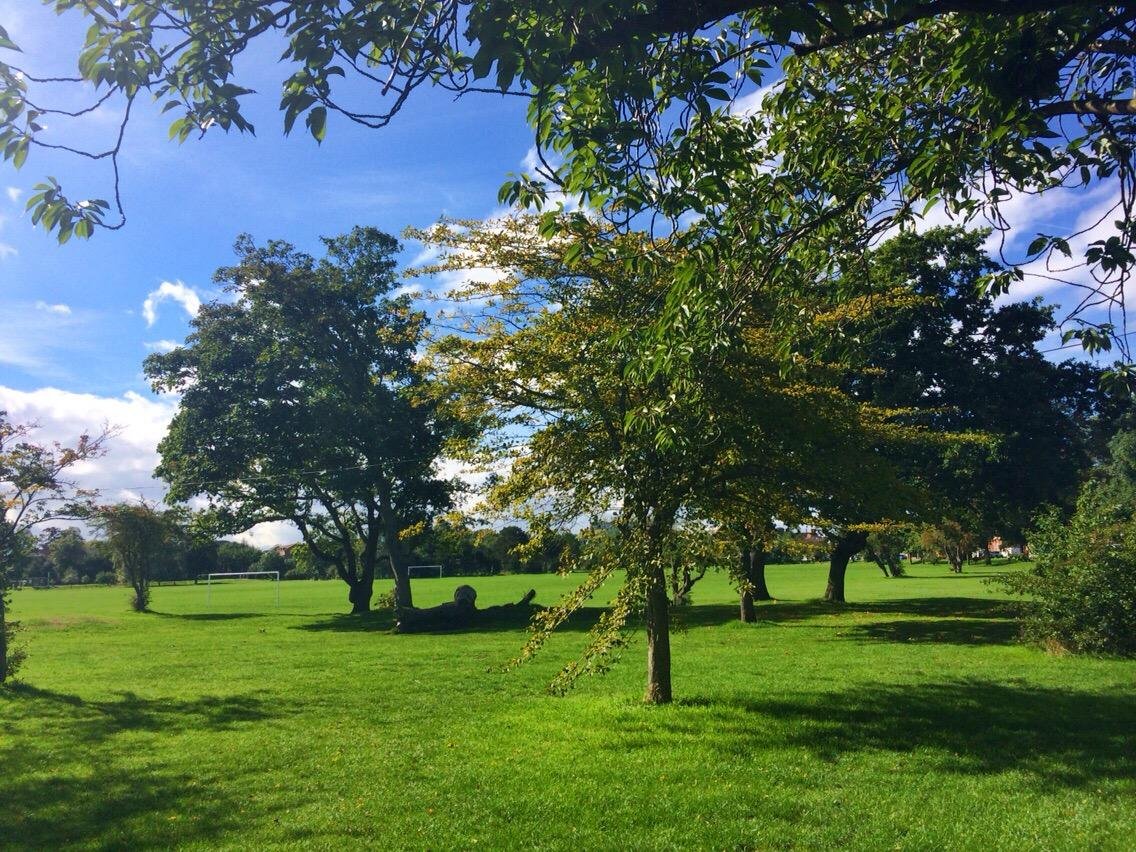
[909,718]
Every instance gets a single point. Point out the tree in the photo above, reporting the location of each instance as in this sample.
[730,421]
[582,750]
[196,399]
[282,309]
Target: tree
[301,401]
[236,557]
[71,558]
[951,539]
[550,360]
[1081,591]
[886,543]
[34,492]
[879,108]
[954,360]
[504,546]
[140,539]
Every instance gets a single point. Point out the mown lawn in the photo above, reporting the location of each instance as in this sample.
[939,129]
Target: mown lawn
[909,718]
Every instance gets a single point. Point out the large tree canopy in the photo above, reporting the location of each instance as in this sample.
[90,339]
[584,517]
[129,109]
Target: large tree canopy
[548,355]
[301,401]
[958,361]
[880,108]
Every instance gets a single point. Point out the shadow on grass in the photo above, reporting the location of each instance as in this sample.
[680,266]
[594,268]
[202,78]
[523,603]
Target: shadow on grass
[954,607]
[582,620]
[209,616]
[92,721]
[946,631]
[78,772]
[1064,736]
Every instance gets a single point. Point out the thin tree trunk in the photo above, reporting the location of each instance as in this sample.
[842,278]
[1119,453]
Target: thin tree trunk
[3,635]
[846,547]
[748,613]
[658,641]
[879,560]
[402,594]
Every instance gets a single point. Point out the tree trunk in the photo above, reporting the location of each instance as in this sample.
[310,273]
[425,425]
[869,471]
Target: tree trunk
[658,641]
[755,588]
[879,560]
[360,596]
[3,635]
[955,558]
[757,574]
[402,594]
[846,547]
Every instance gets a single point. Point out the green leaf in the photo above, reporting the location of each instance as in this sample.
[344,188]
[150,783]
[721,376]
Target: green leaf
[6,42]
[317,123]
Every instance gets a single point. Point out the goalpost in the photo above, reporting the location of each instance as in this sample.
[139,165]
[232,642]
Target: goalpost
[410,569]
[240,575]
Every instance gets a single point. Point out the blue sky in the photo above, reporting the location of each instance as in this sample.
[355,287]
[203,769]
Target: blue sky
[78,319]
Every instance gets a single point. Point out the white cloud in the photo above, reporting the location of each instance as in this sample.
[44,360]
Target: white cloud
[264,536]
[125,473]
[132,453]
[1056,275]
[752,103]
[61,309]
[175,291]
[161,345]
[14,194]
[7,251]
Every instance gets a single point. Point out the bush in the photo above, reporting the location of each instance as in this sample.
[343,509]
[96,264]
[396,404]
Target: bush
[107,578]
[1082,589]
[302,573]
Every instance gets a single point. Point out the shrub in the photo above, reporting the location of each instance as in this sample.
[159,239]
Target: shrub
[1082,590]
[300,573]
[107,578]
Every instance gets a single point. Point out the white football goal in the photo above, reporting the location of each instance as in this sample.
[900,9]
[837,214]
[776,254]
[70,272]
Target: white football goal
[227,576]
[424,571]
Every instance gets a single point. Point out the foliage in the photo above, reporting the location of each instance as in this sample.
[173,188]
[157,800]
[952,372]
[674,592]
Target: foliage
[1082,591]
[955,360]
[547,355]
[463,549]
[951,539]
[873,111]
[139,538]
[886,544]
[270,560]
[301,401]
[236,557]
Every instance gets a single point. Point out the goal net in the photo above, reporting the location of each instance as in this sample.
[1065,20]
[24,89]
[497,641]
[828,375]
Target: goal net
[229,578]
[424,571]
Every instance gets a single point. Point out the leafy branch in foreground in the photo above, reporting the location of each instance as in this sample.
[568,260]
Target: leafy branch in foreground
[869,112]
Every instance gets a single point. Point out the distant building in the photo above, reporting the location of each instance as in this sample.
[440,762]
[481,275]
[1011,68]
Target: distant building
[997,547]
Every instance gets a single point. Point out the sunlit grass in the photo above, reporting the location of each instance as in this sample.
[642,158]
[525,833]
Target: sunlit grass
[909,718]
